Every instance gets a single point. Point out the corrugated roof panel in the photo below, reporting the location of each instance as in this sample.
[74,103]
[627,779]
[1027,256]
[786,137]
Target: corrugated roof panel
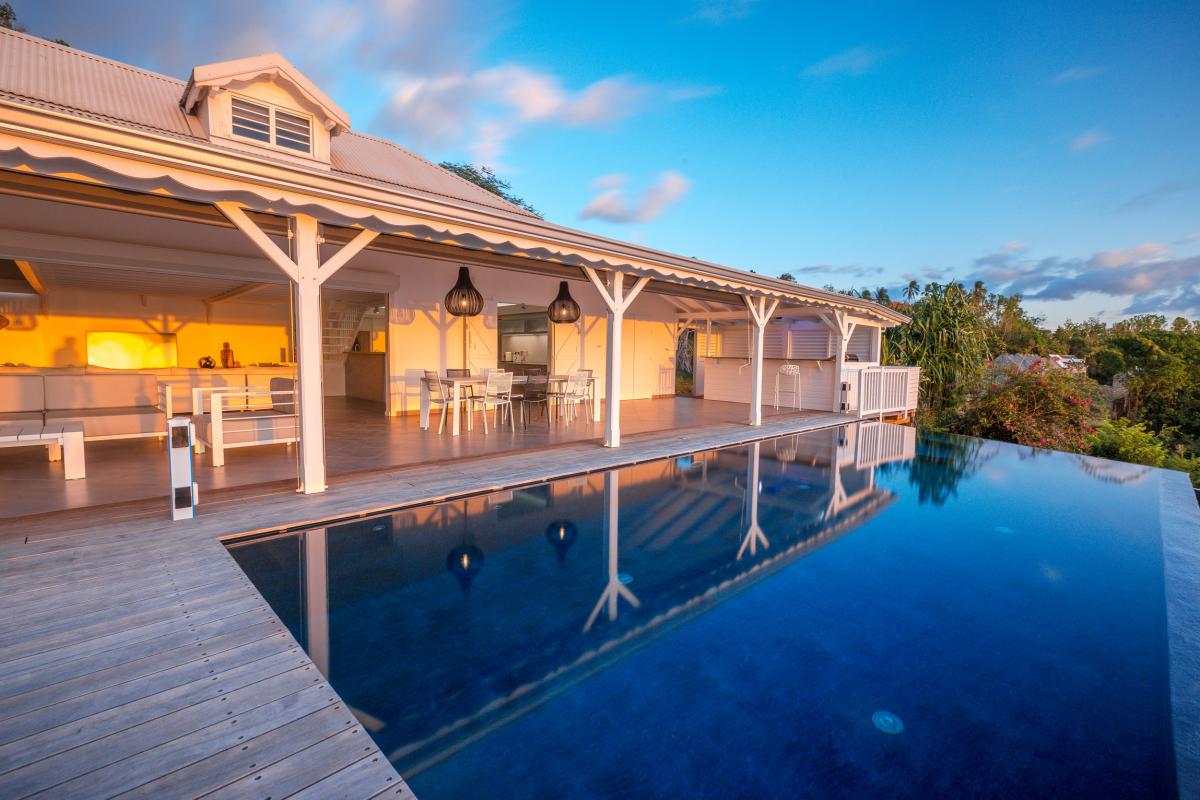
[376,159]
[50,73]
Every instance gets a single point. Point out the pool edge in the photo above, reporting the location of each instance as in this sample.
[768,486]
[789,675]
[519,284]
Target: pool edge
[1179,518]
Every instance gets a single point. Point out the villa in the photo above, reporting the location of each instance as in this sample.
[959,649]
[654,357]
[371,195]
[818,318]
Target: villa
[365,375]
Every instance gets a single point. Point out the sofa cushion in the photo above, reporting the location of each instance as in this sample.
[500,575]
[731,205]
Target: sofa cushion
[72,392]
[250,426]
[114,421]
[21,393]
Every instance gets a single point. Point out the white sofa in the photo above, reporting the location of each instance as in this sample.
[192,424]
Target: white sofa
[111,406]
[22,398]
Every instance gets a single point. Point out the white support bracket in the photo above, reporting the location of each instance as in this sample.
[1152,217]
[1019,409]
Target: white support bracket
[306,273]
[617,299]
[761,311]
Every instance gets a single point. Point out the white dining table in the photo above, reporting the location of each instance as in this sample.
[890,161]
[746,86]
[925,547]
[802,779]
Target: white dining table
[456,386]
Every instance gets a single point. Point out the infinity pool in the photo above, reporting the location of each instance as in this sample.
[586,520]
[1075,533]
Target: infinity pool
[853,612]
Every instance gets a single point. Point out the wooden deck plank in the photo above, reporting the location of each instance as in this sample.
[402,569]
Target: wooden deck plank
[366,778]
[301,770]
[105,685]
[13,683]
[48,694]
[251,757]
[172,712]
[200,673]
[129,773]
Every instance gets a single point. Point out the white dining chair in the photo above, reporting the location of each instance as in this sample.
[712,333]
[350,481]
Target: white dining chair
[574,395]
[496,396]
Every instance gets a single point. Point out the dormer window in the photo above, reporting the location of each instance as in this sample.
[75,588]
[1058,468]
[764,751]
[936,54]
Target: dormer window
[263,102]
[271,125]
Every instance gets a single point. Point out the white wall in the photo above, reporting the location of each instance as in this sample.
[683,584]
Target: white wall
[728,379]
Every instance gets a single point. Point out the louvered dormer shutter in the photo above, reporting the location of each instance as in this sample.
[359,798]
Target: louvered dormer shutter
[270,125]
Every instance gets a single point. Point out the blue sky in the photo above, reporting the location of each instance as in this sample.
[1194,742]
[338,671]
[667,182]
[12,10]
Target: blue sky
[1054,152]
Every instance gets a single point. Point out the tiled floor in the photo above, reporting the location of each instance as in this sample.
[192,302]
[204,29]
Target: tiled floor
[358,438]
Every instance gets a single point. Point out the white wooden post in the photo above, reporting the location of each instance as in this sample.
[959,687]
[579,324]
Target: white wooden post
[614,590]
[316,598]
[842,330]
[617,300]
[307,273]
[754,533]
[760,312]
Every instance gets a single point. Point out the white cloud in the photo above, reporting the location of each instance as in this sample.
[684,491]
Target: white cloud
[855,62]
[612,205]
[488,107]
[1087,140]
[418,63]
[1149,275]
[1076,74]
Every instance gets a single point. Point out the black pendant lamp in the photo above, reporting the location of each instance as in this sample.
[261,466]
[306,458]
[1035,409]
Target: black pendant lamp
[564,308]
[464,300]
[561,534]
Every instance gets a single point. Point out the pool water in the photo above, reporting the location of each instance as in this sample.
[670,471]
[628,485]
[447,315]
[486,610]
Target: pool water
[852,612]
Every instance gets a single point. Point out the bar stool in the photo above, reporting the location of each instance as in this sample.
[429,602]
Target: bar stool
[787,384]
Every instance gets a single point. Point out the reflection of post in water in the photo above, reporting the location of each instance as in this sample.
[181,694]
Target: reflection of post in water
[316,598]
[614,590]
[754,534]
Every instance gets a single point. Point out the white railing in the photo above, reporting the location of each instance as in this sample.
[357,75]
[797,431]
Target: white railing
[886,390]
[881,442]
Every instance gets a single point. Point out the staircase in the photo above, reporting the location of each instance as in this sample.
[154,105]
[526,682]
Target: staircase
[340,326]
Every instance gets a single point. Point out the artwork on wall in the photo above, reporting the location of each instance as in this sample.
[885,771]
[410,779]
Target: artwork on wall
[128,350]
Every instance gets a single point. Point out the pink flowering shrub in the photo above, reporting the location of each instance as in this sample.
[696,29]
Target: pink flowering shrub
[1043,406]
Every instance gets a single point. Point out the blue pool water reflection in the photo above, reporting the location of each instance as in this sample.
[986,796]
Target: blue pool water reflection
[846,613]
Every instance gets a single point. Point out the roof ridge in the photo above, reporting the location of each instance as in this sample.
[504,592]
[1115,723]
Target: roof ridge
[38,40]
[455,175]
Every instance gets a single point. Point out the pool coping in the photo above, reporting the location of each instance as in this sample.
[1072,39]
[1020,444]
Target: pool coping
[1179,520]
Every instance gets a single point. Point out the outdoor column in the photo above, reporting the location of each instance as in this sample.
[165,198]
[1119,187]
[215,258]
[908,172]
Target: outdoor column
[842,329]
[617,301]
[316,598]
[614,589]
[754,533]
[307,274]
[760,313]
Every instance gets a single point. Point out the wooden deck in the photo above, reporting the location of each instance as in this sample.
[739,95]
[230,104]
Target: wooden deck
[137,660]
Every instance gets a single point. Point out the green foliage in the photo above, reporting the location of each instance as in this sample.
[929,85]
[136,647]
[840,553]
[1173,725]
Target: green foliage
[787,276]
[485,178]
[8,18]
[1124,440]
[947,338]
[1042,406]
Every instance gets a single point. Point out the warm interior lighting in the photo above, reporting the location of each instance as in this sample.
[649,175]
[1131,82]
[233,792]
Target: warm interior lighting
[125,350]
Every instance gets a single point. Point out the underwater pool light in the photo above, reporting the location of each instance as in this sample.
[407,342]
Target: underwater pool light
[887,722]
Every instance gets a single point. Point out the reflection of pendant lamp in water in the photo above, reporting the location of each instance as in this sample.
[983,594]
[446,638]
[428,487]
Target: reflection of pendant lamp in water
[561,534]
[464,300]
[564,308]
[465,561]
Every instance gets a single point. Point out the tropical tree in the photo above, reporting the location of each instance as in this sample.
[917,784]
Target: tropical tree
[947,338]
[485,178]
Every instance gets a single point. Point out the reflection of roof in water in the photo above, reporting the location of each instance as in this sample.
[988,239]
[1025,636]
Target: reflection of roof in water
[724,583]
[1113,471]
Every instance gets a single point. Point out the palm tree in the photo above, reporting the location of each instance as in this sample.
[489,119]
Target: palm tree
[912,290]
